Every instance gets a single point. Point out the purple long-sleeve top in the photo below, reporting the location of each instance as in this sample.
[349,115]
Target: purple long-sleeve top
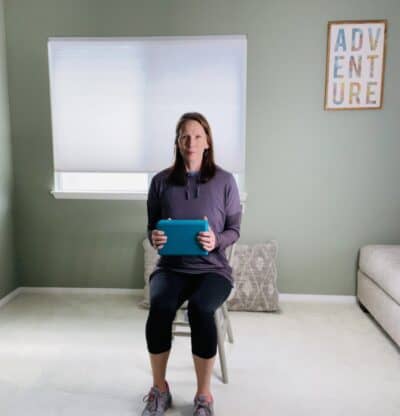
[218,199]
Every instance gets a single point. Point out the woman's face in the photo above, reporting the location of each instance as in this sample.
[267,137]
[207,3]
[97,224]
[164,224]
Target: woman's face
[192,142]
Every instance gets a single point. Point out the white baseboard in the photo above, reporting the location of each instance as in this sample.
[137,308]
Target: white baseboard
[286,297]
[298,297]
[87,290]
[64,290]
[10,296]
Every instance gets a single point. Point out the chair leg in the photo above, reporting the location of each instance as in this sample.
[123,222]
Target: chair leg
[221,350]
[174,326]
[173,331]
[228,322]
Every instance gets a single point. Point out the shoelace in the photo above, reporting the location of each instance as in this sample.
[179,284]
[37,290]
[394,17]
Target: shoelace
[152,400]
[202,408]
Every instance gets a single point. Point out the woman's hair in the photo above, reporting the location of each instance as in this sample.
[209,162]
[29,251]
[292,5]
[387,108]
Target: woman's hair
[177,174]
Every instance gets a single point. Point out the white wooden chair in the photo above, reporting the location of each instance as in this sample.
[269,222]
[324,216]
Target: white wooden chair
[222,322]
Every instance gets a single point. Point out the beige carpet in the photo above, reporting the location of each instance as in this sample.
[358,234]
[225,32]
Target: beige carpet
[85,354]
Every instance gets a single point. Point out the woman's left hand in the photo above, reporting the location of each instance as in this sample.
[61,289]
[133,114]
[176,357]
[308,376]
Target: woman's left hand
[207,239]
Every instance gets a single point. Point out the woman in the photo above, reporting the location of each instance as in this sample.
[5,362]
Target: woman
[193,188]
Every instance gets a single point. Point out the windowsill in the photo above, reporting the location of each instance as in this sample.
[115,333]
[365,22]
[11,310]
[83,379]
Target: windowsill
[134,196]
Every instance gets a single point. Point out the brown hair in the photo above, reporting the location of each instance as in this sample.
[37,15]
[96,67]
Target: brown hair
[177,173]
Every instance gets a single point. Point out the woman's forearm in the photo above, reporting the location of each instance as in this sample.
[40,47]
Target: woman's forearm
[231,232]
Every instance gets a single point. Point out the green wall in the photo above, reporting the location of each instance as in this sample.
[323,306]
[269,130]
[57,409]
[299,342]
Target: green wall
[7,275]
[321,183]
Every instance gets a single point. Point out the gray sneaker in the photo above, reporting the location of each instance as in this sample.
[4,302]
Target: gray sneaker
[202,407]
[157,402]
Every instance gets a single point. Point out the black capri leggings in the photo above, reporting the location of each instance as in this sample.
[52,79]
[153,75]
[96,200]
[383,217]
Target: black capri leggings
[205,293]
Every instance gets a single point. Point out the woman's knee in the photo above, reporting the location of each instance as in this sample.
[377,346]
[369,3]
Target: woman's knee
[162,306]
[159,322]
[200,315]
[203,330]
[201,308]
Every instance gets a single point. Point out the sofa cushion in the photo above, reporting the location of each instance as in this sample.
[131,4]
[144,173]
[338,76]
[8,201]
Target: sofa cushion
[382,264]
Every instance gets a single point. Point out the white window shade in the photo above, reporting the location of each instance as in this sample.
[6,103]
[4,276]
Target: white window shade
[115,102]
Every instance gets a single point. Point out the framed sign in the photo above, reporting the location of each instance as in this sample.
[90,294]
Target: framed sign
[355,64]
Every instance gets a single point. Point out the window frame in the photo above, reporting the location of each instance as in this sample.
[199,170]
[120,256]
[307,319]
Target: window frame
[58,192]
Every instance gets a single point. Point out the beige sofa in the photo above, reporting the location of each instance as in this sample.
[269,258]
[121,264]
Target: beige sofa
[378,286]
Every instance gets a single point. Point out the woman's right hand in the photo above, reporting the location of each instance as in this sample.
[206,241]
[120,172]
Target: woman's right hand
[158,238]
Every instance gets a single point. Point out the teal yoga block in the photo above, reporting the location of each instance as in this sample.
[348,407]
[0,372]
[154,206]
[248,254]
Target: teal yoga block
[182,237]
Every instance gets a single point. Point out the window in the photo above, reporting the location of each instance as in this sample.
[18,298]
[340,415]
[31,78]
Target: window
[115,103]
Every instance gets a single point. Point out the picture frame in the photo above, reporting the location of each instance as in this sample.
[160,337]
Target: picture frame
[355,64]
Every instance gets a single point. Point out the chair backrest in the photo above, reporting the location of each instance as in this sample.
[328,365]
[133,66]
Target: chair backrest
[230,252]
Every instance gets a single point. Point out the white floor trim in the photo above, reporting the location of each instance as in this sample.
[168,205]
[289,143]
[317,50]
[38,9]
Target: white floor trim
[87,290]
[10,296]
[298,297]
[287,297]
